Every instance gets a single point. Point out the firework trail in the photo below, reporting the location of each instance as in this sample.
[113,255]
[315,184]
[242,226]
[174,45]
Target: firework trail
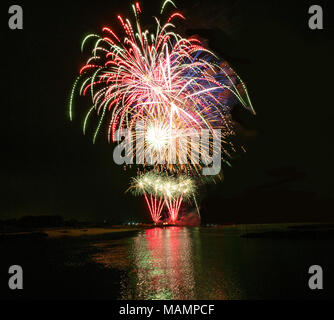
[167,86]
[160,189]
[161,79]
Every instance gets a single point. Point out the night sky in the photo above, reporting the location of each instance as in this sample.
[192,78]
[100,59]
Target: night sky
[50,167]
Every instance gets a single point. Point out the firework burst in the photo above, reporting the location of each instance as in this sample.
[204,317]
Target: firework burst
[167,82]
[161,88]
[161,189]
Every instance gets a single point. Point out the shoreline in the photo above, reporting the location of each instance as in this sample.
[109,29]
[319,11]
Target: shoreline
[247,231]
[68,232]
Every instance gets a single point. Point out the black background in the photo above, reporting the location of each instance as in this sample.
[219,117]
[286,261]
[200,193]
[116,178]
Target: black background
[50,167]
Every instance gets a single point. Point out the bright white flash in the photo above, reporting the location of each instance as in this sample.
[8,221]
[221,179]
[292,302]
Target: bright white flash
[157,136]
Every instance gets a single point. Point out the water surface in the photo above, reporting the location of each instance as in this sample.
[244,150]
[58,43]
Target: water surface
[202,263]
[171,263]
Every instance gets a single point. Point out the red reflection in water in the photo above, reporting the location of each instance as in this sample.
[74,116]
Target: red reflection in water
[165,247]
[164,264]
[170,263]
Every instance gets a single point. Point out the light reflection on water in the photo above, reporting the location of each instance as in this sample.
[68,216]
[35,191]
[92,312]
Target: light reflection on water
[163,265]
[203,263]
[168,263]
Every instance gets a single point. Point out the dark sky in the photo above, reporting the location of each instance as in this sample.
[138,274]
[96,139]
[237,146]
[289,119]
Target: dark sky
[287,173]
